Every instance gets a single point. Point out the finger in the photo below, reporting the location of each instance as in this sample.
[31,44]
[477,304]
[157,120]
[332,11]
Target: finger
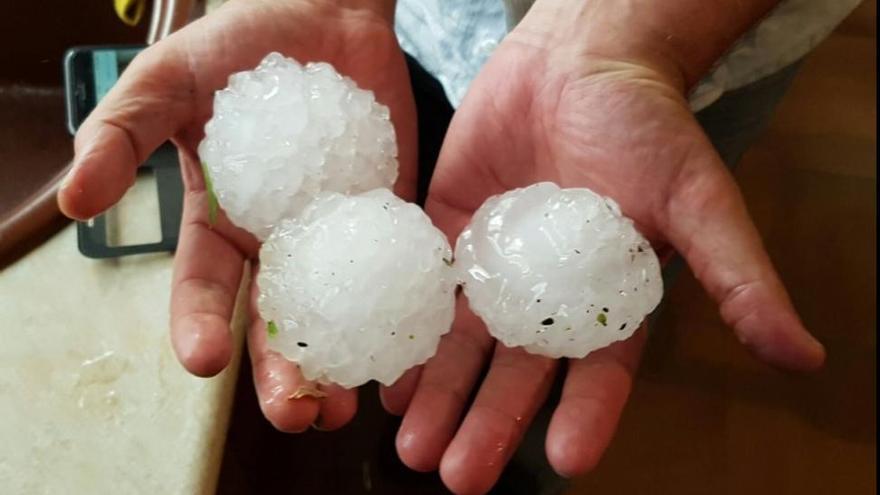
[144,109]
[595,391]
[707,221]
[207,275]
[515,387]
[337,408]
[289,401]
[396,397]
[444,386]
[403,117]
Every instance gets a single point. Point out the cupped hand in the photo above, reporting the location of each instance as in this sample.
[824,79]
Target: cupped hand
[624,130]
[167,93]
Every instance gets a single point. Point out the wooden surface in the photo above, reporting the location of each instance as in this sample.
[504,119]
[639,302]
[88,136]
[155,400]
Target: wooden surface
[35,146]
[704,416]
[35,149]
[92,398]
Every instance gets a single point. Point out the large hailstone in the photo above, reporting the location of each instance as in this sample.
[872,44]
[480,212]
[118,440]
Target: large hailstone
[356,288]
[558,271]
[282,133]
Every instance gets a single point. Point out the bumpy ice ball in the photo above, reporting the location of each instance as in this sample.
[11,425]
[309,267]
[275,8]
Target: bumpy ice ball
[357,288]
[282,133]
[558,271]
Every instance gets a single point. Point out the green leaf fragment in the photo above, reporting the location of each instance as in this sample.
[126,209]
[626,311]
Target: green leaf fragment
[602,319]
[271,328]
[213,205]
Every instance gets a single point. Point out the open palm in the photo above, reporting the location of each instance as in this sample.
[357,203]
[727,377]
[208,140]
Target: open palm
[625,132]
[167,93]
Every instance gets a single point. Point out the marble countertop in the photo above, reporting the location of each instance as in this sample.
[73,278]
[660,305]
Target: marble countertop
[92,399]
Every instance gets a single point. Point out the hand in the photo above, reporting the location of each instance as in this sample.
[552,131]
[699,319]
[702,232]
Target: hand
[622,128]
[167,93]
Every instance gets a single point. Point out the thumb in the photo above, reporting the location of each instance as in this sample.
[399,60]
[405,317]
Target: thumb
[707,221]
[144,109]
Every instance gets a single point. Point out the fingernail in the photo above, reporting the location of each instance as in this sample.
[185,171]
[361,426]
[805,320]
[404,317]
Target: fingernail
[67,178]
[316,425]
[818,351]
[75,164]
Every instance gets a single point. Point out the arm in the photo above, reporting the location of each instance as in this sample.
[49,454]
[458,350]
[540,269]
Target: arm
[680,39]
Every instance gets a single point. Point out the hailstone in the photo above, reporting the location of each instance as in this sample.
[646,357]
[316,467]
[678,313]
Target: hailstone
[283,132]
[356,288]
[560,272]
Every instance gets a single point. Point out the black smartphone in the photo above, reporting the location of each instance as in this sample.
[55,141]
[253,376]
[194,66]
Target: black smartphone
[89,74]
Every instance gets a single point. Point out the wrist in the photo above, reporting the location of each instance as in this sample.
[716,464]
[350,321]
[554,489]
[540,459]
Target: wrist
[677,40]
[381,8]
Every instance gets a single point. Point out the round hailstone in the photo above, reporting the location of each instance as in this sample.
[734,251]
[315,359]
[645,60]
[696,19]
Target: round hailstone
[356,288]
[282,133]
[558,271]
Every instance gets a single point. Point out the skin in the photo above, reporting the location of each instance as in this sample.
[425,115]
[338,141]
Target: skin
[600,107]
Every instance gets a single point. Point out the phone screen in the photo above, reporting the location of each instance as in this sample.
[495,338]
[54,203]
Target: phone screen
[106,67]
